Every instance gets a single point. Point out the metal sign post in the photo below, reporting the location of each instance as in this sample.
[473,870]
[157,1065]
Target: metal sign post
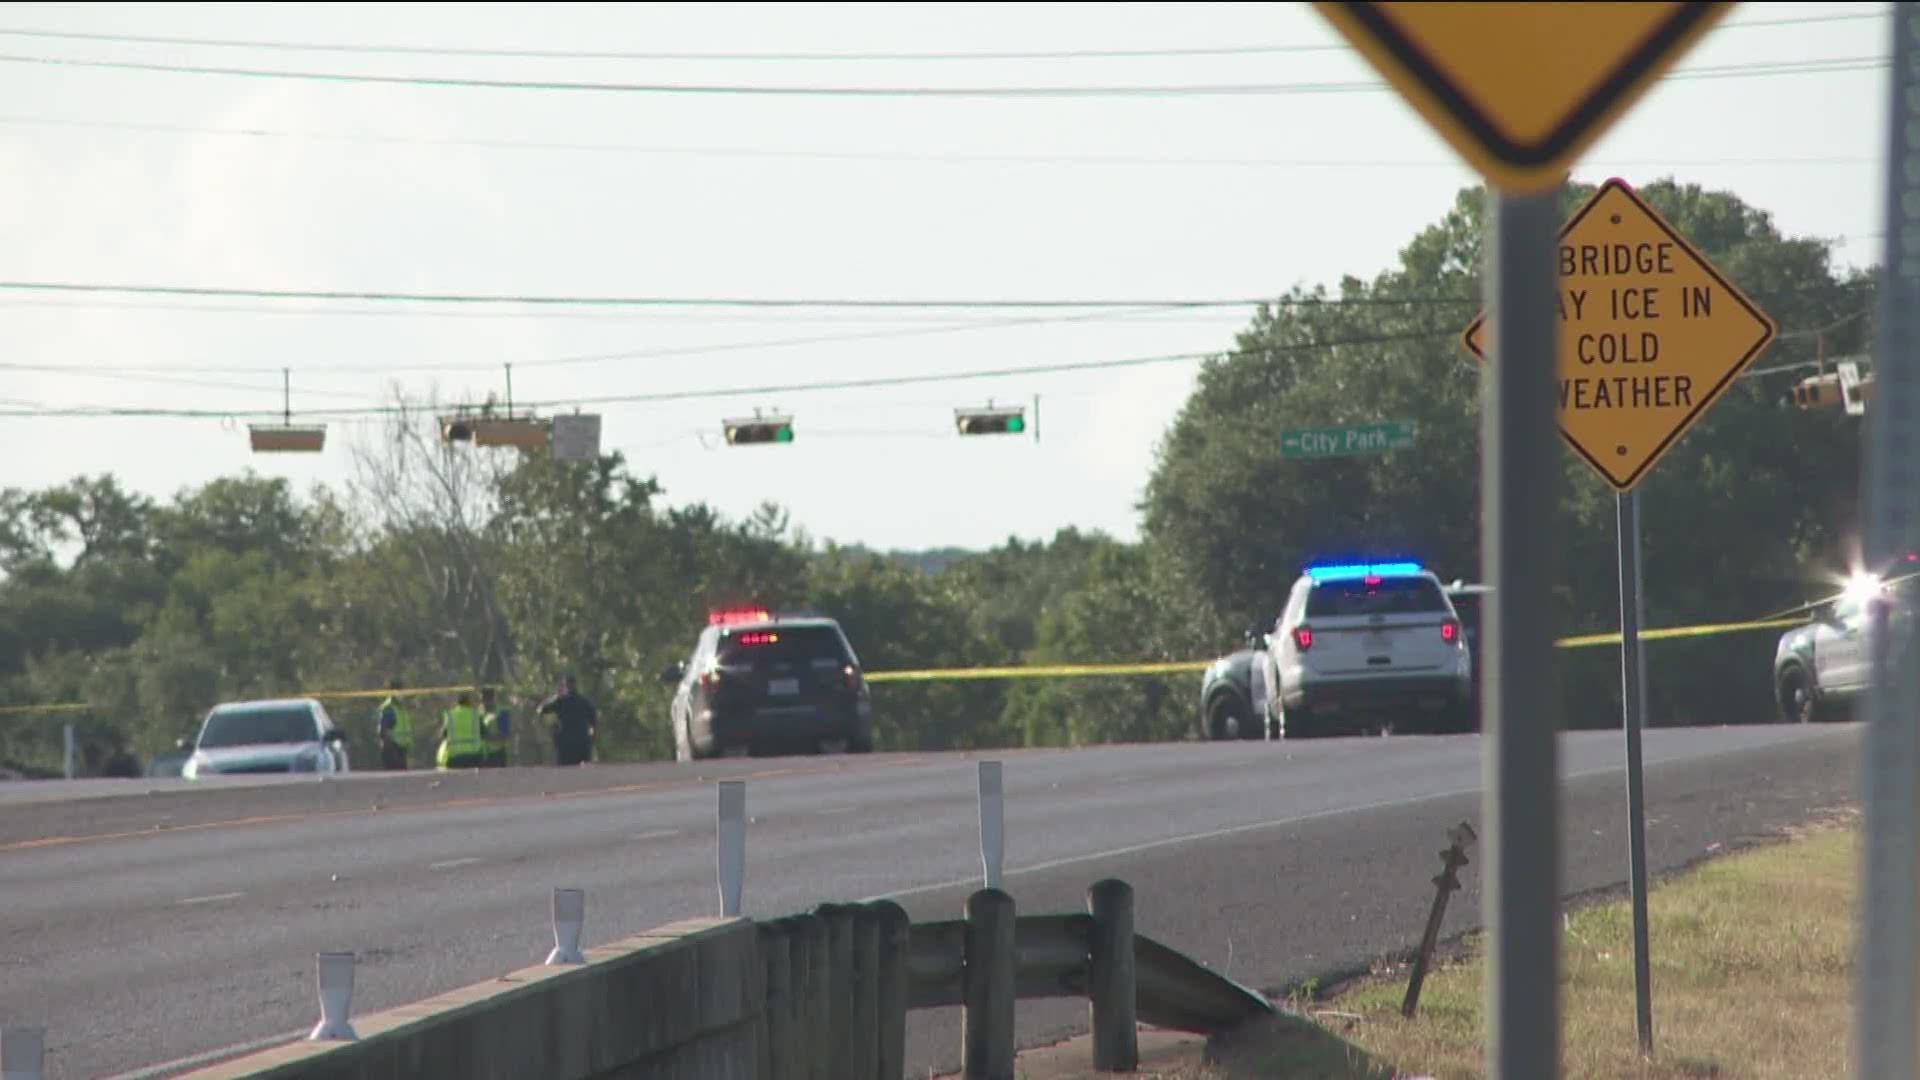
[1520,479]
[1633,699]
[1889,958]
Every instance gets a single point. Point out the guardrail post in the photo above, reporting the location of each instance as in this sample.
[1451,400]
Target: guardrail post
[987,1004]
[335,977]
[23,1053]
[864,1029]
[818,1008]
[993,826]
[731,837]
[778,1056]
[569,917]
[1110,986]
[799,1049]
[896,949]
[839,988]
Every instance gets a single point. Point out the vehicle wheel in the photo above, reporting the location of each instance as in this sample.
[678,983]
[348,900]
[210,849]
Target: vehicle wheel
[1229,718]
[1798,703]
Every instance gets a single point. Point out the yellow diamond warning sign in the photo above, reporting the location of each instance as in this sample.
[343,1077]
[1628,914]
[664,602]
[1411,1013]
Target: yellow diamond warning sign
[1522,89]
[1650,334]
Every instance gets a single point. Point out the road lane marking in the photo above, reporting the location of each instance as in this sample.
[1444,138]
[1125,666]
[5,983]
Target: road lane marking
[673,784]
[214,899]
[832,810]
[154,1072]
[449,864]
[1276,823]
[657,834]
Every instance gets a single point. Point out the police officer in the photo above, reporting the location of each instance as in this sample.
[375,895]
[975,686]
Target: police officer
[575,721]
[496,728]
[395,730]
[461,745]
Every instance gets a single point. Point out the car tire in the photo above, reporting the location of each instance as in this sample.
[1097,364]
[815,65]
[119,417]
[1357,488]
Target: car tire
[1229,719]
[1794,692]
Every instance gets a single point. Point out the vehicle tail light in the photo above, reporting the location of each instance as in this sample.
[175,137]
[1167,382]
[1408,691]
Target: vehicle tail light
[1303,638]
[850,676]
[710,678]
[1450,632]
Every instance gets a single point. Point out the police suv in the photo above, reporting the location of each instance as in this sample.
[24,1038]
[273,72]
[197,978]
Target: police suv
[1821,670]
[1367,647]
[761,682]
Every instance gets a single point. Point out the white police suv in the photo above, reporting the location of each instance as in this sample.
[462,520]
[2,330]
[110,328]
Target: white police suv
[1367,647]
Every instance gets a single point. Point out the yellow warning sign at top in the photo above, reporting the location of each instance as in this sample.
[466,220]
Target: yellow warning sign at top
[1650,334]
[1522,89]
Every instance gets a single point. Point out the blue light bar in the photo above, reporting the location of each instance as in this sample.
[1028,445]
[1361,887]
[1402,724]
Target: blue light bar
[1357,571]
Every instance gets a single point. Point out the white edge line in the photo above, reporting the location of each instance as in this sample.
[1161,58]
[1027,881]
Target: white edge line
[1231,830]
[657,834]
[213,899]
[449,864]
[152,1072]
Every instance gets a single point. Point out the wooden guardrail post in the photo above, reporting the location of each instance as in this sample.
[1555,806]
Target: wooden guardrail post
[896,949]
[776,1026]
[987,1009]
[816,1060]
[863,1028]
[839,920]
[1110,983]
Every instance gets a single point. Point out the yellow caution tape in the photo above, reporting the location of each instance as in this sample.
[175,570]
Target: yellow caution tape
[1025,671]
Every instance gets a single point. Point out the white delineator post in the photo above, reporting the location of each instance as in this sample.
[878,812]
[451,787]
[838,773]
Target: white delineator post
[993,826]
[336,998]
[569,916]
[23,1053]
[731,834]
[67,736]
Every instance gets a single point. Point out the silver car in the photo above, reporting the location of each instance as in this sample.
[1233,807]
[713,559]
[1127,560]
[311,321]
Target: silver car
[246,737]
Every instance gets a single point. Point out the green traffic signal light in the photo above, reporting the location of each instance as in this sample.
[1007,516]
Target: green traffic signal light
[783,433]
[1016,425]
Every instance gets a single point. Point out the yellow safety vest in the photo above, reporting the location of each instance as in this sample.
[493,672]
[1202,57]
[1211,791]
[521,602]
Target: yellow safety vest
[402,733]
[463,735]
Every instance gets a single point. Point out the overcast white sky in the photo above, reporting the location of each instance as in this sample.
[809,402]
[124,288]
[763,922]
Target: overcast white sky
[117,176]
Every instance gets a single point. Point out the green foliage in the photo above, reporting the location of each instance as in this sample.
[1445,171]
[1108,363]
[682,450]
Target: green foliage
[447,566]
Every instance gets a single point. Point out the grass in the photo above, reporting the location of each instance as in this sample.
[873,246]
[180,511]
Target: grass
[1752,960]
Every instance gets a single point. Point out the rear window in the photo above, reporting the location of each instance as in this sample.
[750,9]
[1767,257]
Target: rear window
[1385,596]
[259,727]
[782,644]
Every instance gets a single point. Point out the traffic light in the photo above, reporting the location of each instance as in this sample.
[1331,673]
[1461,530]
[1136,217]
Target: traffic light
[759,429]
[990,421]
[1817,392]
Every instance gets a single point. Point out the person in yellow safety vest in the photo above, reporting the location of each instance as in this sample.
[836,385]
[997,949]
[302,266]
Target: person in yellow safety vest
[461,746]
[495,728]
[395,730]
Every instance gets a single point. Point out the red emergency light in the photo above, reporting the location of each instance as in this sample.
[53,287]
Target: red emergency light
[761,638]
[733,617]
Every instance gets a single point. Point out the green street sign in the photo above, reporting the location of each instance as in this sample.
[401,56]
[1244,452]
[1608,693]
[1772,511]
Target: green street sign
[1343,441]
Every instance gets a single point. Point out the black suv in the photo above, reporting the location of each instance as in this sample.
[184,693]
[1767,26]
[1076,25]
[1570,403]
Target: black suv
[760,683]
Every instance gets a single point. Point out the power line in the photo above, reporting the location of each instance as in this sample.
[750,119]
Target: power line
[933,158]
[840,57]
[662,301]
[1818,66]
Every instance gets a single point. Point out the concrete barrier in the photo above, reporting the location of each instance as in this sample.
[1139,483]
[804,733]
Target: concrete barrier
[680,1001]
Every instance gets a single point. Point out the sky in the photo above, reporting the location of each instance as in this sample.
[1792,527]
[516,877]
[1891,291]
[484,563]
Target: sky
[121,176]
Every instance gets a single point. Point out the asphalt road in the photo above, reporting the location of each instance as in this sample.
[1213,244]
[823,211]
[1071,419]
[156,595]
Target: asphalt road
[145,928]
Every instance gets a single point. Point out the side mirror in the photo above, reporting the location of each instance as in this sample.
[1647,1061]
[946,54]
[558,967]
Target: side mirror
[674,672]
